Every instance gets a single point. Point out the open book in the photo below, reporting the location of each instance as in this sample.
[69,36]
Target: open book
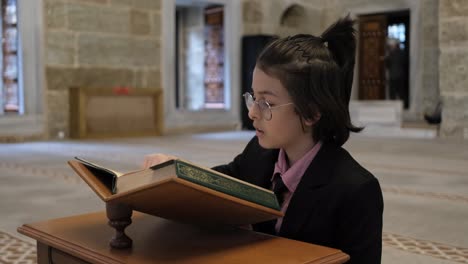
[180,190]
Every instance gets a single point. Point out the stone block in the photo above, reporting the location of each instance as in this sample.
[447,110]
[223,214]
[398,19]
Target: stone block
[430,60]
[92,18]
[55,14]
[453,70]
[430,35]
[152,79]
[121,2]
[115,51]
[313,3]
[454,116]
[139,79]
[156,24]
[148,79]
[452,8]
[147,4]
[253,12]
[430,92]
[89,1]
[139,22]
[454,31]
[252,29]
[430,12]
[376,112]
[62,78]
[60,47]
[58,109]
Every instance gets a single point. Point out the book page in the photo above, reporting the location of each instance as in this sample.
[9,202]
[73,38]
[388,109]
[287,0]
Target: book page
[97,166]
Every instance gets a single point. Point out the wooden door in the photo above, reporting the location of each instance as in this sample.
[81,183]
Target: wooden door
[372,37]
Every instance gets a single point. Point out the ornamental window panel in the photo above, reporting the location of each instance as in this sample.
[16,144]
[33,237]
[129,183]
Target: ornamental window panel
[200,71]
[214,57]
[9,89]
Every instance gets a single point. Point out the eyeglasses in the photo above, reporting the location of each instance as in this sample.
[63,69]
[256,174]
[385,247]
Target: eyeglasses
[264,106]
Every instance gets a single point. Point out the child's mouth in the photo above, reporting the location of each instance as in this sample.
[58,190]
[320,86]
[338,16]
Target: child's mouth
[259,132]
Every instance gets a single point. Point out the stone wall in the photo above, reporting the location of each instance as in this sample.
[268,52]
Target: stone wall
[108,43]
[264,17]
[98,43]
[453,68]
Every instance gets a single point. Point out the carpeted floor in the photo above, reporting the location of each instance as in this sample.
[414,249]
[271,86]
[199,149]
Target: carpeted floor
[425,185]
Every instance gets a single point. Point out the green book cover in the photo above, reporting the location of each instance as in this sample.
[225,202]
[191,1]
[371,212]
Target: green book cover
[226,185]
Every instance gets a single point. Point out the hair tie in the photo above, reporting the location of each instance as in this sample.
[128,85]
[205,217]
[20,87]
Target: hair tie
[325,42]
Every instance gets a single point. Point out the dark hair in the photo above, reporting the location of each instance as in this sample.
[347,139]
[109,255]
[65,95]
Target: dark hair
[318,74]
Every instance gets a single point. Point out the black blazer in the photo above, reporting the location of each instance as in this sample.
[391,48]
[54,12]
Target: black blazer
[337,203]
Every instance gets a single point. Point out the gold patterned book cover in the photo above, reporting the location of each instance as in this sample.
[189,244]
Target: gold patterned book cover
[181,190]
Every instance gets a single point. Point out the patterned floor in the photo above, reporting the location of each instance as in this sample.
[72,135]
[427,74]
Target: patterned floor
[16,251]
[429,248]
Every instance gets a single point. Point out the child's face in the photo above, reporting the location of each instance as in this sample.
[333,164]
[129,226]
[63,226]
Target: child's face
[284,130]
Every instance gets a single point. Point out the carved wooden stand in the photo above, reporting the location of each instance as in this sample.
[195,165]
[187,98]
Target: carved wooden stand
[120,216]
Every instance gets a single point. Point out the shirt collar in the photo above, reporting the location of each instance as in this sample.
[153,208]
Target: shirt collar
[291,176]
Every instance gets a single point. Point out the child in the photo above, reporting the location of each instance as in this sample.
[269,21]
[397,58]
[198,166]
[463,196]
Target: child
[299,107]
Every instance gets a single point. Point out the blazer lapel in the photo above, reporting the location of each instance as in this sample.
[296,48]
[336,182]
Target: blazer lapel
[308,193]
[264,169]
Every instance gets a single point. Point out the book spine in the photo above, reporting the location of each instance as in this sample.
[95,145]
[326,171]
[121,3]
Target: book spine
[225,185]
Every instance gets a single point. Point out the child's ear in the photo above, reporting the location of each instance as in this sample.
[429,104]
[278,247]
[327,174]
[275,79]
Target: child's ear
[311,121]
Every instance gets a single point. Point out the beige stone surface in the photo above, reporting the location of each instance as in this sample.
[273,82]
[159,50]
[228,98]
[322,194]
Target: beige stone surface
[156,24]
[147,79]
[139,22]
[251,29]
[454,31]
[62,78]
[147,4]
[429,38]
[90,1]
[58,113]
[121,2]
[60,48]
[455,116]
[252,12]
[152,79]
[98,50]
[453,70]
[453,35]
[102,19]
[55,13]
[450,8]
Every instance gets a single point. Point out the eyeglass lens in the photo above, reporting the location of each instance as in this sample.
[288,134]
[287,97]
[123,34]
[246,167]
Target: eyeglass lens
[262,105]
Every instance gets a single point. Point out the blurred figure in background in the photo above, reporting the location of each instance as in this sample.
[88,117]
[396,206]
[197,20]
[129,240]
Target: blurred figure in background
[394,62]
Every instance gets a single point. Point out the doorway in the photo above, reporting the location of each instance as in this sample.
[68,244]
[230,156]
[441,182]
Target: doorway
[382,74]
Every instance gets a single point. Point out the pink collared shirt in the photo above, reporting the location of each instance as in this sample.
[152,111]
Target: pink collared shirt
[291,176]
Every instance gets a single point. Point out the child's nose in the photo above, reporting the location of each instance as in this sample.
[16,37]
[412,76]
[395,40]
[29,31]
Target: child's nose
[254,112]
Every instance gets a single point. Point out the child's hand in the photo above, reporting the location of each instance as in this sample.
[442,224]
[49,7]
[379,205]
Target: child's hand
[155,159]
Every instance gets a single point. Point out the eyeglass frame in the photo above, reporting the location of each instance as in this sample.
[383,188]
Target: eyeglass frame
[248,97]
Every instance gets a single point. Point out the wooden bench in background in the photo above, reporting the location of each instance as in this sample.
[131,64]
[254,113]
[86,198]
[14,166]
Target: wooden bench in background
[114,112]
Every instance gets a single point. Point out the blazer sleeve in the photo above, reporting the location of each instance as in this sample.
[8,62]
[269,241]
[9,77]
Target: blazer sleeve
[233,168]
[255,164]
[360,228]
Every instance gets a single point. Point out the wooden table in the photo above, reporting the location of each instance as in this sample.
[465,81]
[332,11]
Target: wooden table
[84,239]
